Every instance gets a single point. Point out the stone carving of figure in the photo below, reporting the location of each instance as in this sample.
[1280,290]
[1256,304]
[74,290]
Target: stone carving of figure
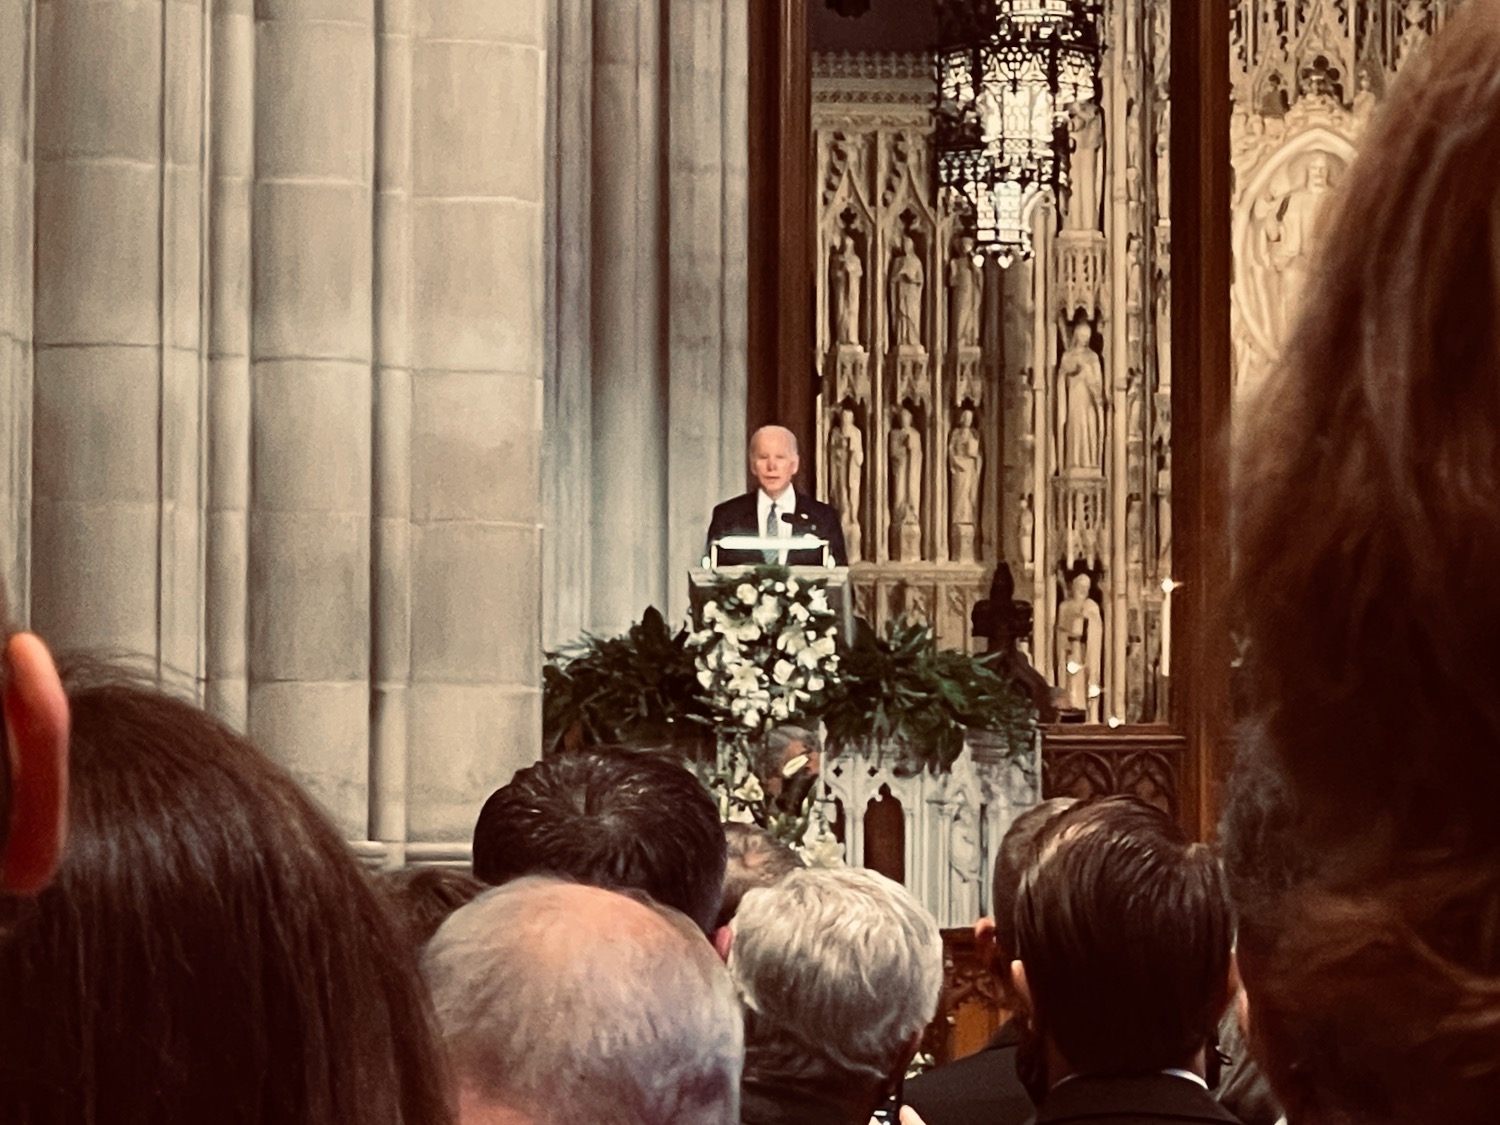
[965,460]
[1164,162]
[1027,532]
[906,471]
[848,271]
[1290,241]
[907,280]
[1415,36]
[1273,99]
[1086,128]
[1080,648]
[846,459]
[1364,99]
[1080,376]
[966,293]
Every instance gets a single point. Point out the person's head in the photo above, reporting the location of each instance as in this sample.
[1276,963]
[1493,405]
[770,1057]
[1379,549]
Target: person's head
[33,760]
[774,459]
[1123,935]
[421,898]
[839,971]
[561,1003]
[965,418]
[846,417]
[996,935]
[610,818]
[1080,586]
[1083,334]
[756,859]
[905,415]
[210,949]
[1317,172]
[1361,837]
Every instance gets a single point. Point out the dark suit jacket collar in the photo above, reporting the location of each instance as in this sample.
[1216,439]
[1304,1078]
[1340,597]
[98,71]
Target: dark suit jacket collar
[765,1102]
[1149,1095]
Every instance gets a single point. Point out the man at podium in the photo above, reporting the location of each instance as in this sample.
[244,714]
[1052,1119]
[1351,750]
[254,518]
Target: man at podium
[775,509]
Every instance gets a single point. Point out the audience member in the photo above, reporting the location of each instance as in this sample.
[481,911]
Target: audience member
[562,1004]
[609,818]
[421,898]
[33,760]
[210,950]
[1361,834]
[985,1088]
[1123,934]
[755,859]
[839,971]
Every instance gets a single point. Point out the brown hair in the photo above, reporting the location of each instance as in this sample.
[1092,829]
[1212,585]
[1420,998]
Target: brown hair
[755,859]
[421,898]
[1360,835]
[210,951]
[1017,850]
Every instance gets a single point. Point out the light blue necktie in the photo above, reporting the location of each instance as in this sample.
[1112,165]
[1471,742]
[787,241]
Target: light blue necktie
[771,533]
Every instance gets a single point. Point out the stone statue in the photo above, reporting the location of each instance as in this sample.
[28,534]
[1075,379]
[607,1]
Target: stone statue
[1080,648]
[848,271]
[1415,37]
[907,280]
[966,294]
[1291,242]
[1086,129]
[1080,376]
[1027,532]
[846,459]
[965,459]
[1364,99]
[906,471]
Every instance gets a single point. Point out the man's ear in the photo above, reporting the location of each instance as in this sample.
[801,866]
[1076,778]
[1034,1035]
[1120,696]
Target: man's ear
[984,945]
[1018,982]
[36,741]
[723,942]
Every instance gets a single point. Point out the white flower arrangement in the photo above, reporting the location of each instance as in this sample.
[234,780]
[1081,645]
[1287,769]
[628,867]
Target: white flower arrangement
[766,648]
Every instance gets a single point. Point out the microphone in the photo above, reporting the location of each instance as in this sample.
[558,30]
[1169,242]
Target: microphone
[797,519]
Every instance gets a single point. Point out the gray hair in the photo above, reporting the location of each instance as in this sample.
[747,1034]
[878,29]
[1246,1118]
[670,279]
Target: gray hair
[791,437]
[571,1003]
[838,969]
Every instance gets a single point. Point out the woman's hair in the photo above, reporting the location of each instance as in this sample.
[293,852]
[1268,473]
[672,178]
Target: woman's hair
[421,898]
[1361,835]
[210,951]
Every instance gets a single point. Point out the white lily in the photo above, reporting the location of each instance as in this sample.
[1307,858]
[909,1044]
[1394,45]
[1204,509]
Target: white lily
[793,765]
[782,671]
[746,593]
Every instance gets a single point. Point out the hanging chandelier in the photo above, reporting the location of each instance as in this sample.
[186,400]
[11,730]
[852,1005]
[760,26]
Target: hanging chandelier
[1007,73]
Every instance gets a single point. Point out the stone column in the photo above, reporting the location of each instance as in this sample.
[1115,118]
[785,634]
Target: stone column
[310,363]
[478,118]
[17,173]
[116,328]
[232,119]
[630,379]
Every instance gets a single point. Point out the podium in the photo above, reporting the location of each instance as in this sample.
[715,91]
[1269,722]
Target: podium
[834,579]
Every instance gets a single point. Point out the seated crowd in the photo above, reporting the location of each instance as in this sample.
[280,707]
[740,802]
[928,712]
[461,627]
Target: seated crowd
[185,938]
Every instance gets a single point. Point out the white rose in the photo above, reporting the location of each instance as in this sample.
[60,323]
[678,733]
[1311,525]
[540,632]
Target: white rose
[710,610]
[808,657]
[750,790]
[744,679]
[825,853]
[746,593]
[792,642]
[815,683]
[748,632]
[782,586]
[818,601]
[752,718]
[792,587]
[779,709]
[740,816]
[766,614]
[782,671]
[824,646]
[798,612]
[705,677]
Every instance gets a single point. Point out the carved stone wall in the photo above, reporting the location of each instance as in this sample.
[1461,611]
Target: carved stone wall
[971,414]
[1307,77]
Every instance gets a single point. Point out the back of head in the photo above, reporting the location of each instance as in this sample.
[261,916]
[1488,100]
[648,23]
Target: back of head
[421,898]
[755,859]
[1124,930]
[839,970]
[210,950]
[609,818]
[1361,836]
[1017,849]
[562,1003]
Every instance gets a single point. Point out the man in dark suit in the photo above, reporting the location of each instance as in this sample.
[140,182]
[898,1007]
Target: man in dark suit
[1123,933]
[775,508]
[985,1088]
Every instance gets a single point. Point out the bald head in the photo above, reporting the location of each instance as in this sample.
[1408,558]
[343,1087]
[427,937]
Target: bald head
[563,1003]
[774,459]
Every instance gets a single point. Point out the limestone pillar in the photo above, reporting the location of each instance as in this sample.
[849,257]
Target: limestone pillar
[310,356]
[118,243]
[17,172]
[478,145]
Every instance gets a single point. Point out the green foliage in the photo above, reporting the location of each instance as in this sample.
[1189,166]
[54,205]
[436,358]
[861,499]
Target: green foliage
[639,689]
[901,690]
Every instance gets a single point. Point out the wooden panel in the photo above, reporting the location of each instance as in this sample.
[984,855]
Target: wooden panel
[1152,763]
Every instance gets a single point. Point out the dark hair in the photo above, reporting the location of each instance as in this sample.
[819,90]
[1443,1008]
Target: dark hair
[1361,836]
[421,898]
[1125,930]
[610,818]
[1017,850]
[210,949]
[756,859]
